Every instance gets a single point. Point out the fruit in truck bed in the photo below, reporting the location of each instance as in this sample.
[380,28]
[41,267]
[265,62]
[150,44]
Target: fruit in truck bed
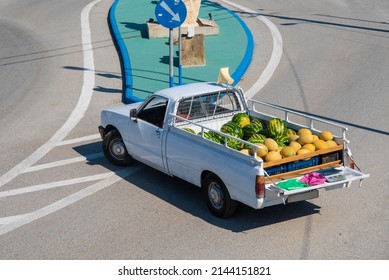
[290,132]
[276,127]
[232,129]
[189,130]
[320,144]
[326,135]
[261,151]
[309,147]
[250,130]
[271,144]
[282,140]
[303,151]
[305,139]
[293,138]
[257,138]
[302,131]
[241,119]
[295,145]
[258,124]
[273,155]
[287,152]
[331,143]
[245,151]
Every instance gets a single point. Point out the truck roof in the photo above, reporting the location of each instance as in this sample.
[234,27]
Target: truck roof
[190,90]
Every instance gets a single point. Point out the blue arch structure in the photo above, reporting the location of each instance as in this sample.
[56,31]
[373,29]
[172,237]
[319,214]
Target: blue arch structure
[127,75]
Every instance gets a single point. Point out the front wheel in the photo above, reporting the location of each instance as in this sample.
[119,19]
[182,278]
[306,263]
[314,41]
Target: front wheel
[115,150]
[217,197]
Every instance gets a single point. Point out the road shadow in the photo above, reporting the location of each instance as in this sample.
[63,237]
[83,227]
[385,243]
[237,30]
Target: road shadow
[188,197]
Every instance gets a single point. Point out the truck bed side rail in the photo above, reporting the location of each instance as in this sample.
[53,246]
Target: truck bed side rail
[267,111]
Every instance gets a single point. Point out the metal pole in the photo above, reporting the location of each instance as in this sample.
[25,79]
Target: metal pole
[179,57]
[170,57]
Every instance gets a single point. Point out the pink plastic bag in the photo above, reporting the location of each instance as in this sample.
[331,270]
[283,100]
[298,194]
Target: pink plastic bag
[313,179]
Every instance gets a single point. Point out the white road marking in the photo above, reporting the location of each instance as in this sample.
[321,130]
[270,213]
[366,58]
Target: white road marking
[57,184]
[78,140]
[79,110]
[11,223]
[62,162]
[276,53]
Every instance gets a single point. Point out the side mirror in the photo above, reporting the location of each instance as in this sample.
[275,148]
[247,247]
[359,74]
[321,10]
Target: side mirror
[133,114]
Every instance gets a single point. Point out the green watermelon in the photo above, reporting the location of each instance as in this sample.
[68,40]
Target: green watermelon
[276,127]
[253,128]
[290,132]
[217,137]
[257,139]
[282,140]
[258,124]
[189,130]
[249,130]
[234,144]
[241,119]
[232,129]
[210,135]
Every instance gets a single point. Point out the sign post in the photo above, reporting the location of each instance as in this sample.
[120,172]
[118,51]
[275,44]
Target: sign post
[170,14]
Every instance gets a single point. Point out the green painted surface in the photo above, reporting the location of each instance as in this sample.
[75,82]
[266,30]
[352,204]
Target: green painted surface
[150,57]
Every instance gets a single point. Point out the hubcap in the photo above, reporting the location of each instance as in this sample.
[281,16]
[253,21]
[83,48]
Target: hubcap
[118,149]
[216,195]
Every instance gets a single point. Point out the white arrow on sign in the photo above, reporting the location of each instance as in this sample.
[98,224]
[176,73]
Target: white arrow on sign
[176,16]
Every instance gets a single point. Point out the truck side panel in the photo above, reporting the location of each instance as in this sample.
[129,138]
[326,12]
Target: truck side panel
[190,155]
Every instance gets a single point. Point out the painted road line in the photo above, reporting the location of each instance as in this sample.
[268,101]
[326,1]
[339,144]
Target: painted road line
[276,53]
[80,139]
[24,219]
[63,162]
[57,184]
[79,110]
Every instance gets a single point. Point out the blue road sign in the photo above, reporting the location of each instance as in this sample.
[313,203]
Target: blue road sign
[170,13]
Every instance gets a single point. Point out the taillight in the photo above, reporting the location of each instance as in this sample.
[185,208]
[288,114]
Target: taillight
[352,163]
[260,186]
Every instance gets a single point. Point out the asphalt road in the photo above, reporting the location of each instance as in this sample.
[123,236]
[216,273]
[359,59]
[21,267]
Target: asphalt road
[59,198]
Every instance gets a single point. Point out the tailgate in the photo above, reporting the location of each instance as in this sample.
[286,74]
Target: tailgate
[340,177]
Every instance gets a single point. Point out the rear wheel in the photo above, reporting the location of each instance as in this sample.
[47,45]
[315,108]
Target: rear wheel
[217,197]
[115,150]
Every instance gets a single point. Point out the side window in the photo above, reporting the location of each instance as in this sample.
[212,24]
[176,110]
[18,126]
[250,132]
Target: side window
[154,111]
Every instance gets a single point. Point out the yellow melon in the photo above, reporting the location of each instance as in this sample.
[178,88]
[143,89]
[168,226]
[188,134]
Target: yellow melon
[245,151]
[287,152]
[309,147]
[295,145]
[303,151]
[331,143]
[305,139]
[261,151]
[326,135]
[293,137]
[315,137]
[271,144]
[273,155]
[302,131]
[320,144]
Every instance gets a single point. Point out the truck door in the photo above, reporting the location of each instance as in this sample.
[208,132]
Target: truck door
[147,133]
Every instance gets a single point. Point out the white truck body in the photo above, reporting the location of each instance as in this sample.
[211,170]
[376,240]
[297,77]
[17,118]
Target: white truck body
[153,132]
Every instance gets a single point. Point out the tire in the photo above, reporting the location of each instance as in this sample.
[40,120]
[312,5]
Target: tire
[115,150]
[217,197]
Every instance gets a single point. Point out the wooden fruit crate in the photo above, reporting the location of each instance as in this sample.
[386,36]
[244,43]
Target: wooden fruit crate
[298,165]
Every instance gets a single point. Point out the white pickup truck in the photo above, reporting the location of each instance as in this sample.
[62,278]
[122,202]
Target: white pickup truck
[170,131]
